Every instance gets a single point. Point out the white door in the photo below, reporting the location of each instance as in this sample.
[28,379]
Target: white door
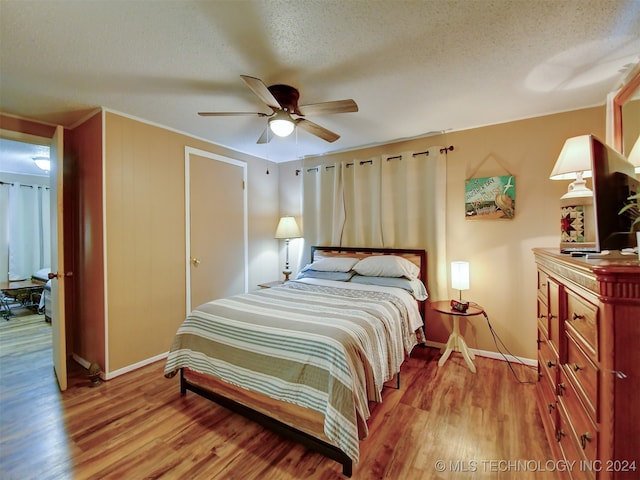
[57,260]
[216,202]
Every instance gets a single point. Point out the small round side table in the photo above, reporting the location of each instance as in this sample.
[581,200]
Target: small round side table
[456,341]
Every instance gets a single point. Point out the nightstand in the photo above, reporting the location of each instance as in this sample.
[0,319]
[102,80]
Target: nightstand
[456,341]
[270,284]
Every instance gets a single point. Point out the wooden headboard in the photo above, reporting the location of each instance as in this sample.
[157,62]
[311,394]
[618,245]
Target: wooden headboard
[418,257]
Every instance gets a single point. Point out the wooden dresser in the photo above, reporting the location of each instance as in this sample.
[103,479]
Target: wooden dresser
[588,391]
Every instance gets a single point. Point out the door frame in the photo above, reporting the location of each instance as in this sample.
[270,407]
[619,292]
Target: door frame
[188,151]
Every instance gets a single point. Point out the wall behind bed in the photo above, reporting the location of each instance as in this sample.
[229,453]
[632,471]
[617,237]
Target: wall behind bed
[499,251]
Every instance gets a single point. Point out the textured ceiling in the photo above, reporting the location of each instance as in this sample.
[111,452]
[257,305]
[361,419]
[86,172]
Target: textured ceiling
[413,67]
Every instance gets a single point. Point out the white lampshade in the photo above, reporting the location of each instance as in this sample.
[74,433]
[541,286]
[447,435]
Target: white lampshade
[460,275]
[574,163]
[281,124]
[634,156]
[287,228]
[43,163]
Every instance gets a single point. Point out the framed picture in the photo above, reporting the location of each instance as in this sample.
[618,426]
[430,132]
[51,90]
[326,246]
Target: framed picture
[490,198]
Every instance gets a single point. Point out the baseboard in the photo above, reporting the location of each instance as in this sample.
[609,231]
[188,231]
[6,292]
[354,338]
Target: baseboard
[85,363]
[486,353]
[135,366]
[162,356]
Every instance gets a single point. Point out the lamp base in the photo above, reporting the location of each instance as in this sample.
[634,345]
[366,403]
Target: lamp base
[286,274]
[577,224]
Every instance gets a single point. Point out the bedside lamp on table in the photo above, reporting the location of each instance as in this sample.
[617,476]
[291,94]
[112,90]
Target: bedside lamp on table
[457,309]
[287,229]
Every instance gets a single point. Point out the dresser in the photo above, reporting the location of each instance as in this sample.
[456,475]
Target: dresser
[588,390]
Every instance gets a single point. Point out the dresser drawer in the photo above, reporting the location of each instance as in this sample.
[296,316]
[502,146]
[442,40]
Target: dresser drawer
[548,406]
[543,282]
[543,317]
[571,449]
[556,291]
[582,317]
[548,364]
[584,375]
[579,425]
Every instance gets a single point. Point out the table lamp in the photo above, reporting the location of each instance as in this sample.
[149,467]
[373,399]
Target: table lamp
[634,156]
[460,281]
[577,216]
[287,229]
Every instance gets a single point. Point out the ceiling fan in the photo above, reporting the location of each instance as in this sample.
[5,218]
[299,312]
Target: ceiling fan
[283,101]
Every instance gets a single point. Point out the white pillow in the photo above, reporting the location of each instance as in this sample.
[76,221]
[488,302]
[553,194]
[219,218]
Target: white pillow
[387,266]
[332,264]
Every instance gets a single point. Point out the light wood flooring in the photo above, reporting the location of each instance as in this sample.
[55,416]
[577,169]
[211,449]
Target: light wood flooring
[137,426]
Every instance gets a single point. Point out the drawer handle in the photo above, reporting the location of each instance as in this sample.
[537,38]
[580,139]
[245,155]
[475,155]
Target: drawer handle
[552,406]
[577,316]
[543,284]
[584,438]
[539,341]
[541,316]
[550,364]
[576,367]
[559,434]
[561,388]
[552,316]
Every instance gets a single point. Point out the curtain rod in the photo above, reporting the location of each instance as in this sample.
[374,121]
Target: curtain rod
[444,150]
[426,152]
[22,185]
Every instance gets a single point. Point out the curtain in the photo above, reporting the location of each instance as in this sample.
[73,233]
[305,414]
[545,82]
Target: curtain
[362,198]
[388,201]
[29,230]
[323,214]
[4,231]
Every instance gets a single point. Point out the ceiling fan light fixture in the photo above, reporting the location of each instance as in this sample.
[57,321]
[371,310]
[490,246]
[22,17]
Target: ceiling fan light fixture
[281,124]
[43,163]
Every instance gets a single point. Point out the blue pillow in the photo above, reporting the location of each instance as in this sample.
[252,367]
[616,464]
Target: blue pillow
[415,286]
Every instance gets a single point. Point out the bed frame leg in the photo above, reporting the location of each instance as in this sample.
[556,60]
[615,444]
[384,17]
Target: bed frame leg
[398,384]
[183,387]
[347,468]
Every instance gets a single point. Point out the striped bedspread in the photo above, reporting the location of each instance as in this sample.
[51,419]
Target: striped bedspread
[319,344]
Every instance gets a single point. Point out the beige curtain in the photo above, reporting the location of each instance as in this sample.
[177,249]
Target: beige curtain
[390,201]
[323,205]
[362,203]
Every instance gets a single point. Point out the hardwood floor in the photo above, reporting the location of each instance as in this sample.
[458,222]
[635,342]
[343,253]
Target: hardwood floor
[138,426]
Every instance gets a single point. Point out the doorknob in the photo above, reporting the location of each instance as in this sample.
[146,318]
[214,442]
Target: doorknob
[195,261]
[57,275]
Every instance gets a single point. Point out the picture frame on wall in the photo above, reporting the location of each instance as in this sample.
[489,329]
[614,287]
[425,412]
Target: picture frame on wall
[490,198]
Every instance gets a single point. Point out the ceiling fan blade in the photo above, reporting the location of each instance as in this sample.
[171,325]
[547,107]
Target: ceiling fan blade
[324,108]
[265,137]
[317,130]
[261,90]
[231,114]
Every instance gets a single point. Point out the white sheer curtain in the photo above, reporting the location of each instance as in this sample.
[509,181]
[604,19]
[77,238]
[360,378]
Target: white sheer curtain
[4,232]
[389,201]
[29,230]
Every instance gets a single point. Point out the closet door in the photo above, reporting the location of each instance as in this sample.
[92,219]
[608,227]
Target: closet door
[216,227]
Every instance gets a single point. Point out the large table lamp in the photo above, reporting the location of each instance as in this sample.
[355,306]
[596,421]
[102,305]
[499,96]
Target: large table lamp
[577,216]
[287,229]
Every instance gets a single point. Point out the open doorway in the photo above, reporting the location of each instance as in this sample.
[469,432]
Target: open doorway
[25,229]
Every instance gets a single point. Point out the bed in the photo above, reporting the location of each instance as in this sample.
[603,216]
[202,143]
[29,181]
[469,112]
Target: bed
[307,357]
